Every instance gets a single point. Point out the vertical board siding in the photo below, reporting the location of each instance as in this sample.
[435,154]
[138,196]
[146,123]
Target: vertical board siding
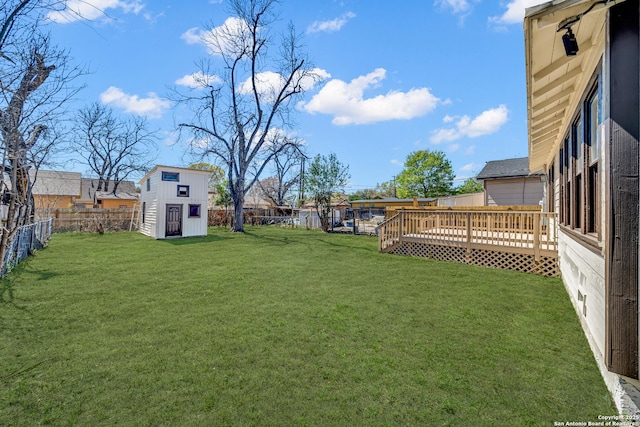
[622,282]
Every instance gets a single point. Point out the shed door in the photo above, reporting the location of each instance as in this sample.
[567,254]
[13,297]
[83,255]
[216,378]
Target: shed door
[174,221]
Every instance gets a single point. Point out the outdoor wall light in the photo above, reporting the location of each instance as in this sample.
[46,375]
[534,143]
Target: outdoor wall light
[570,43]
[569,39]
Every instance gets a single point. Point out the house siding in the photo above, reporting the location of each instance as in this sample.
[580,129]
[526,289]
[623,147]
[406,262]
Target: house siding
[514,192]
[163,193]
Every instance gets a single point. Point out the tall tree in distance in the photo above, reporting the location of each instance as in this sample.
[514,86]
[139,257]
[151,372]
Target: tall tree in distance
[287,173]
[248,105]
[325,177]
[216,175]
[114,148]
[470,185]
[426,173]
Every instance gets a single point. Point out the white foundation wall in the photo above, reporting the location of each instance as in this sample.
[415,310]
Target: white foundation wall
[583,276]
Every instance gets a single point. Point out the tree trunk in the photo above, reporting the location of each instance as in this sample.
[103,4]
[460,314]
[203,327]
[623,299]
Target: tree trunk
[238,213]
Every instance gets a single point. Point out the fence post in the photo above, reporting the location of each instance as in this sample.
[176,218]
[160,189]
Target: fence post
[400,224]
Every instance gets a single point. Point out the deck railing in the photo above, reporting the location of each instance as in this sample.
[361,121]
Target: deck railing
[517,231]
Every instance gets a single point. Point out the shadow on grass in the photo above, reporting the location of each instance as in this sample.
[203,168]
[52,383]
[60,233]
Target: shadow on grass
[7,283]
[180,241]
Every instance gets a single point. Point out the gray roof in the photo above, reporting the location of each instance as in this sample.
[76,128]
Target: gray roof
[126,190]
[55,183]
[509,168]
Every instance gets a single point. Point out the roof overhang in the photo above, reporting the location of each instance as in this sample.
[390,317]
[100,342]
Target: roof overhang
[556,82]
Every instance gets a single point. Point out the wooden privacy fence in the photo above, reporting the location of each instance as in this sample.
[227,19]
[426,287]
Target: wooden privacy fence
[515,240]
[88,219]
[27,239]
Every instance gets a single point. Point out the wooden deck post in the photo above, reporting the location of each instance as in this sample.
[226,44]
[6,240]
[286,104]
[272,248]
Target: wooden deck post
[469,237]
[400,223]
[536,236]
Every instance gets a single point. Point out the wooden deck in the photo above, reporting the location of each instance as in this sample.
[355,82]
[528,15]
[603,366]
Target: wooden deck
[518,240]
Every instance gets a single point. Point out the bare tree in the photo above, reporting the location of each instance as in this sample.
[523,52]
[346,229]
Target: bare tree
[35,85]
[235,114]
[286,166]
[114,148]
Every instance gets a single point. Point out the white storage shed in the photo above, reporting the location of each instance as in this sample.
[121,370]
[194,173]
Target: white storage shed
[173,202]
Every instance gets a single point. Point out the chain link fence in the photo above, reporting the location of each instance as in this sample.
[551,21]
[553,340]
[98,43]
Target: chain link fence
[27,240]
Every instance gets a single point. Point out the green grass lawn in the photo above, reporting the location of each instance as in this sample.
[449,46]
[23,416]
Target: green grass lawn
[284,327]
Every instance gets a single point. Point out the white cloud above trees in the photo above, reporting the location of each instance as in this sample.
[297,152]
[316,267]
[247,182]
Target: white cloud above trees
[486,123]
[221,39]
[347,104]
[152,106]
[198,80]
[91,10]
[330,26]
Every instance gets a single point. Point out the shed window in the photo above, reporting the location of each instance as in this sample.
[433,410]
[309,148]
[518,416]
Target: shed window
[171,176]
[148,184]
[194,211]
[183,191]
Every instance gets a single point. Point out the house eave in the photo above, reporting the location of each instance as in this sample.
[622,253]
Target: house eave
[556,82]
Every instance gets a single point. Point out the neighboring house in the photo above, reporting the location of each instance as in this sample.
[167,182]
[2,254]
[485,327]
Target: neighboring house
[65,190]
[55,189]
[584,121]
[510,183]
[124,197]
[174,202]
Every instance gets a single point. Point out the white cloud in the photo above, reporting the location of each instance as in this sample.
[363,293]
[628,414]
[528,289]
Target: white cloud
[222,39]
[330,26]
[269,83]
[488,122]
[515,12]
[346,101]
[75,10]
[396,162]
[470,150]
[456,6]
[153,106]
[469,167]
[198,80]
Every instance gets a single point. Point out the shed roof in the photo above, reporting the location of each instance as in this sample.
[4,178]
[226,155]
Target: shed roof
[508,168]
[126,190]
[55,183]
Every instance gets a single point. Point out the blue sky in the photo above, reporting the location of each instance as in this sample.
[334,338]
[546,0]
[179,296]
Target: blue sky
[400,76]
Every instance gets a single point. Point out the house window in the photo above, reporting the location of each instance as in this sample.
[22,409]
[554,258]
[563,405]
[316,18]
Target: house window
[171,176]
[148,184]
[183,191]
[194,211]
[592,194]
[578,168]
[144,210]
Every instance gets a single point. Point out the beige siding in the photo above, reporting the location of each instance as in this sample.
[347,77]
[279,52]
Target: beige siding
[514,192]
[463,200]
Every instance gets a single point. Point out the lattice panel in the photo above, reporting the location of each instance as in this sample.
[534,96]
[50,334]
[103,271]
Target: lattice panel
[547,266]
